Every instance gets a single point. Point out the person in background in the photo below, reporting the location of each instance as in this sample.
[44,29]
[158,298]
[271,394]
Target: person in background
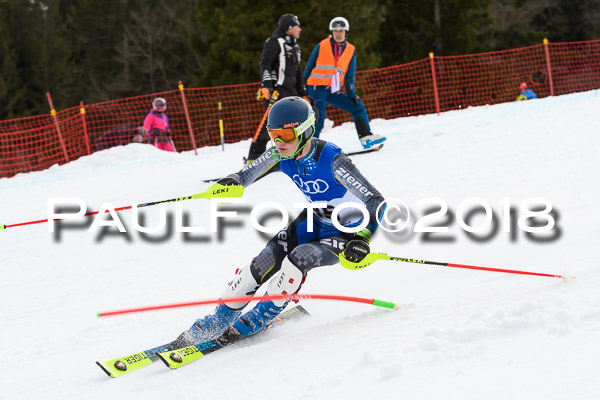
[281,74]
[120,136]
[526,93]
[332,65]
[156,126]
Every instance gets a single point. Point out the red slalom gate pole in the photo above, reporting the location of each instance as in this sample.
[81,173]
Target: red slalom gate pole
[41,221]
[548,67]
[187,117]
[57,126]
[506,271]
[85,132]
[435,88]
[372,257]
[294,297]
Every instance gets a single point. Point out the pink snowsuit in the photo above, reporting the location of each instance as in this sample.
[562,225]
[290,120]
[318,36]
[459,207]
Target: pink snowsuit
[157,126]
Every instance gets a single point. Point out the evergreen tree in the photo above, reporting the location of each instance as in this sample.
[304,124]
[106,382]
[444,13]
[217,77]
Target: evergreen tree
[95,29]
[12,90]
[96,51]
[55,58]
[227,46]
[25,37]
[418,27]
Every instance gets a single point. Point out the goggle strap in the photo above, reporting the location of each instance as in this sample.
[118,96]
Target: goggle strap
[306,124]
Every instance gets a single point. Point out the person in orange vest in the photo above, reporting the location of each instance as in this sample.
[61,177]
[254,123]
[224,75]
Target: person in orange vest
[332,65]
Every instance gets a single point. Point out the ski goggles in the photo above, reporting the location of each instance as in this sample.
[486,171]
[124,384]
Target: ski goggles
[338,26]
[289,135]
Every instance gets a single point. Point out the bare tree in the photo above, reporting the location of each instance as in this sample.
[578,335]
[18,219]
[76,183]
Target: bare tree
[149,46]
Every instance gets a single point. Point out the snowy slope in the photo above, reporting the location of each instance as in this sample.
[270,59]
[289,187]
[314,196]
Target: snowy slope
[458,333]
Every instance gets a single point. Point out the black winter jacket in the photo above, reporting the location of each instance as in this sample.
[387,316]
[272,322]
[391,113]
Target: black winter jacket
[280,63]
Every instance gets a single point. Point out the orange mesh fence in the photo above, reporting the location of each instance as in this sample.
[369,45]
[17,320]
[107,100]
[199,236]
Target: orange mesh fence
[397,91]
[490,78]
[241,113]
[575,66]
[33,144]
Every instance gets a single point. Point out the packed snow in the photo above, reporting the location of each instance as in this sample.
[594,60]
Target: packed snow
[457,333]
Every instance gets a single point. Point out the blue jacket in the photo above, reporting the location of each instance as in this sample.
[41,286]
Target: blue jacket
[527,95]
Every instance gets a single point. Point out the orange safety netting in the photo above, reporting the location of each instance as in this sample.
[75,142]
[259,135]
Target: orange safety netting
[34,143]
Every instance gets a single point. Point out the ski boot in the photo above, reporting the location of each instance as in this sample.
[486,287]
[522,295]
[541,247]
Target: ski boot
[367,138]
[371,140]
[254,321]
[211,326]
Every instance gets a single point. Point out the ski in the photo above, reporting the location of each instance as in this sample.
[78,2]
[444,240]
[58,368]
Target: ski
[124,365]
[177,358]
[370,150]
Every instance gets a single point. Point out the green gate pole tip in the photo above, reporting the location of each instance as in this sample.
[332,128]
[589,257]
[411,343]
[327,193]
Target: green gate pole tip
[98,315]
[382,303]
[3,227]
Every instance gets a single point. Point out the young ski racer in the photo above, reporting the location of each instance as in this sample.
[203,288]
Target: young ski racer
[324,174]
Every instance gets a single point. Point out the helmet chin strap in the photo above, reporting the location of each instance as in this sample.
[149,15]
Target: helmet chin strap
[302,144]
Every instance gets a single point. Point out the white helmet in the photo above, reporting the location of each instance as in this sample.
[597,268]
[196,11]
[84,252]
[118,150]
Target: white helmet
[339,24]
[159,102]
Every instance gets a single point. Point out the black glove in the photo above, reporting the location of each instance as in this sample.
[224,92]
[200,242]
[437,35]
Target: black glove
[355,99]
[228,181]
[302,92]
[358,247]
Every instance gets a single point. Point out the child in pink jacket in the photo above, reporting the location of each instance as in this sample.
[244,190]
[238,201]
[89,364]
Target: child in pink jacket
[157,126]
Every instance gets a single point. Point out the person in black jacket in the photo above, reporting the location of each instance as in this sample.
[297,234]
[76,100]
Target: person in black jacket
[281,74]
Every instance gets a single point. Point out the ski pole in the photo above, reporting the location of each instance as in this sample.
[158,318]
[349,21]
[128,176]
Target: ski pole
[294,297]
[372,257]
[214,191]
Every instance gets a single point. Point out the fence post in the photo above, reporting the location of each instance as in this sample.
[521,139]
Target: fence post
[85,133]
[60,138]
[187,117]
[221,123]
[435,89]
[548,66]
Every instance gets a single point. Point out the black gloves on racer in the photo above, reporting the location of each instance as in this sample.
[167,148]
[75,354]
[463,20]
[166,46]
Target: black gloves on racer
[358,247]
[227,181]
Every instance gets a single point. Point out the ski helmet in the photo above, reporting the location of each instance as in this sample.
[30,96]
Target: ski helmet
[339,24]
[523,86]
[289,119]
[159,102]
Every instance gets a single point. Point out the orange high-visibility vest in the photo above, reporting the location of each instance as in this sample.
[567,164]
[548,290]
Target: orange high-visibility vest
[326,66]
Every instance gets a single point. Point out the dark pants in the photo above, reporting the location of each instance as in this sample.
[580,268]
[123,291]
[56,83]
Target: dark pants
[323,96]
[306,250]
